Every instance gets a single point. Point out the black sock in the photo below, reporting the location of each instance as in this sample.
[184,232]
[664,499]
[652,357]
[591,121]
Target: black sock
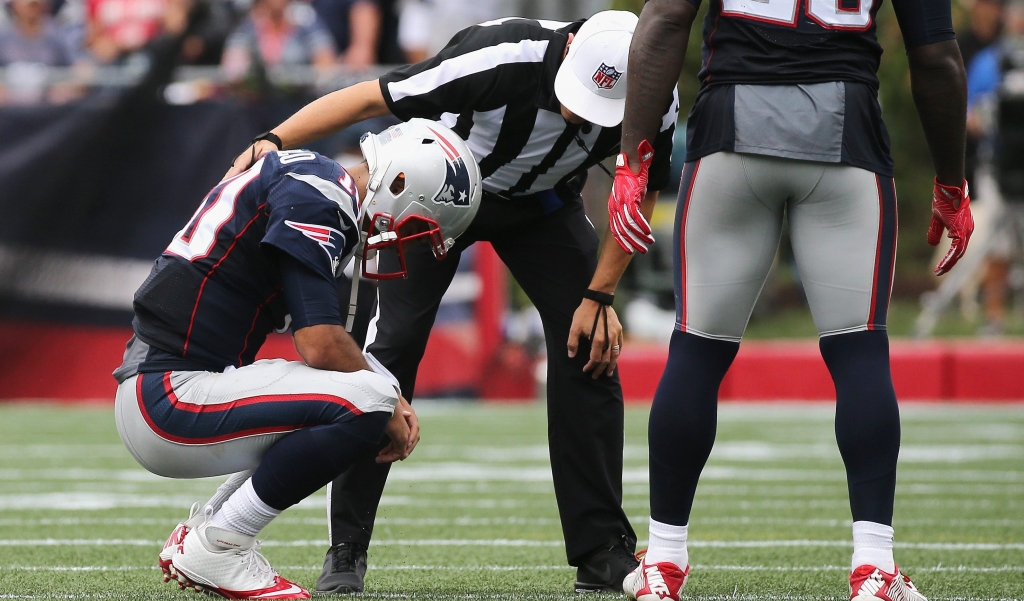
[867,420]
[301,463]
[683,419]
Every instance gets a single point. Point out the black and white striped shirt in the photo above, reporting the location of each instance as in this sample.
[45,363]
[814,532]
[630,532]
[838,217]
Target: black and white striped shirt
[494,85]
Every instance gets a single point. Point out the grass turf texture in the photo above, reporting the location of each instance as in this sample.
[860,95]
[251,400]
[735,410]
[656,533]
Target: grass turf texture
[472,513]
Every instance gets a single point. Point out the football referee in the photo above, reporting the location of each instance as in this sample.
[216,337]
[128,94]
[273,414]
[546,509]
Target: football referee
[539,103]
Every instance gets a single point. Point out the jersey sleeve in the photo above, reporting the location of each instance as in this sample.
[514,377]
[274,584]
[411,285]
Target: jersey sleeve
[924,21]
[311,299]
[306,227]
[470,73]
[660,172]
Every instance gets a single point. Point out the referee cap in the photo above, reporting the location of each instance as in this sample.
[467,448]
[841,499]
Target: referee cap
[591,82]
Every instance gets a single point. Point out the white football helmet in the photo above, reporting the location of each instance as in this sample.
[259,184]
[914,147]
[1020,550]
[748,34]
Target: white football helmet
[424,182]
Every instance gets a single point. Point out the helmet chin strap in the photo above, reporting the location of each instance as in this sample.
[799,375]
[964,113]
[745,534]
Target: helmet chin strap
[357,274]
[372,185]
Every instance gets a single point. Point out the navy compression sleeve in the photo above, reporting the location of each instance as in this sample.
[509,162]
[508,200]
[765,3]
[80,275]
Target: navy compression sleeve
[924,21]
[311,299]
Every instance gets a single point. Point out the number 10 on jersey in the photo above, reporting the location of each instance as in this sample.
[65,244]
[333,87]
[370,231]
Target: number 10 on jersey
[830,14]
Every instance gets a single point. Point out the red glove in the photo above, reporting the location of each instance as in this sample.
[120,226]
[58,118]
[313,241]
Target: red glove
[628,224]
[957,219]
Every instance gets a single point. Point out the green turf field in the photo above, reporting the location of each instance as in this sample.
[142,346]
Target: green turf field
[472,514]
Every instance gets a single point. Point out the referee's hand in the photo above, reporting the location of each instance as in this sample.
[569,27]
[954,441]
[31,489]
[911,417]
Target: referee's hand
[249,157]
[606,345]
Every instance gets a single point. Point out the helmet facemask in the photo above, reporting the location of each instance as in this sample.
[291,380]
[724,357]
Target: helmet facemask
[382,233]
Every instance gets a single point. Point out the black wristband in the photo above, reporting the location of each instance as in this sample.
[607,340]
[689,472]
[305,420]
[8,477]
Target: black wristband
[600,297]
[270,137]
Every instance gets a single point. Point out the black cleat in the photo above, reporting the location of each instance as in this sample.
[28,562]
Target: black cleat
[344,570]
[604,569]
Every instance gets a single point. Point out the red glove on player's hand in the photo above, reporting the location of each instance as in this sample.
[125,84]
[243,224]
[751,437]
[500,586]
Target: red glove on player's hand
[628,224]
[946,214]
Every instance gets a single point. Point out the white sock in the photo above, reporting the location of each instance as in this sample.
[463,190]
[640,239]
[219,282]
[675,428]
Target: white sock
[224,491]
[872,545]
[244,512]
[667,543]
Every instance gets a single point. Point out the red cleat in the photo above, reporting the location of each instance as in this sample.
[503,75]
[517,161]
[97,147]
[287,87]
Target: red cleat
[655,582]
[868,582]
[229,564]
[174,541]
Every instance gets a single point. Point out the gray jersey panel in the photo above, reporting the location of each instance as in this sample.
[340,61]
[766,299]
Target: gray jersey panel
[134,353]
[797,122]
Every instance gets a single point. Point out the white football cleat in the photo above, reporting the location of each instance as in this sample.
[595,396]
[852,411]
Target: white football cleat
[655,582]
[175,539]
[868,582]
[220,562]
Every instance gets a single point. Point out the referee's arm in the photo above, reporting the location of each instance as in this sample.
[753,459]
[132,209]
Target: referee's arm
[318,119]
[477,69]
[610,267]
[613,261]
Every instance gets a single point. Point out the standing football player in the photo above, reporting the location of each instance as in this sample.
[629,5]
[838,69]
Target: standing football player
[539,103]
[786,124]
[260,254]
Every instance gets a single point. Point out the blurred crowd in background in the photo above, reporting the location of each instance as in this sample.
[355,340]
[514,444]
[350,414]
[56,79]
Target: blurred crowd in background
[237,33]
[54,52]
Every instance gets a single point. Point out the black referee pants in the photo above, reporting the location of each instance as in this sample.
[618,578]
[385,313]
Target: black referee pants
[553,257]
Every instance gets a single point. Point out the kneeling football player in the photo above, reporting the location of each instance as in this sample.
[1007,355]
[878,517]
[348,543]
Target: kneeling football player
[262,253]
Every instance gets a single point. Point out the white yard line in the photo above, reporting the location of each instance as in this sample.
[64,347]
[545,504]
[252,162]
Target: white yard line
[510,542]
[455,474]
[469,521]
[498,568]
[519,596]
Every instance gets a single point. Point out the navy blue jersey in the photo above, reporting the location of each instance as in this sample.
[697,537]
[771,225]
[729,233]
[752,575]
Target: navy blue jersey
[220,287]
[751,43]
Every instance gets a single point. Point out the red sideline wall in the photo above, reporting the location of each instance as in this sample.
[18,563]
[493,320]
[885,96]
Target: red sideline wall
[74,363]
[952,370]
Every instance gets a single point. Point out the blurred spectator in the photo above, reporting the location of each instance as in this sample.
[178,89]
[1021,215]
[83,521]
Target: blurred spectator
[365,31]
[984,26]
[33,37]
[30,43]
[119,27]
[278,32]
[205,45]
[414,29]
[428,25]
[985,75]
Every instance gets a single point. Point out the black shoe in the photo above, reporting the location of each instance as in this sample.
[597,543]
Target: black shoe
[344,569]
[605,568]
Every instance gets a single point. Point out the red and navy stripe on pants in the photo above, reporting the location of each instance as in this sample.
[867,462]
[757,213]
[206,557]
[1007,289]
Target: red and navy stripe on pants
[679,241]
[188,423]
[885,253]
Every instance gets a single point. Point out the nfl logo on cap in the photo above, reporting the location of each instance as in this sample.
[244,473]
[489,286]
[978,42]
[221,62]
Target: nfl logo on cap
[591,81]
[606,77]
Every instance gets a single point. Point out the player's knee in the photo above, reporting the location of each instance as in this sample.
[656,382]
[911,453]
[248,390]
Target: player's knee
[365,391]
[685,404]
[857,356]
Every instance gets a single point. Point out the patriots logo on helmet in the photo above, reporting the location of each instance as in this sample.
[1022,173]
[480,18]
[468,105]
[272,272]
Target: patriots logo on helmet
[455,190]
[606,77]
[321,235]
